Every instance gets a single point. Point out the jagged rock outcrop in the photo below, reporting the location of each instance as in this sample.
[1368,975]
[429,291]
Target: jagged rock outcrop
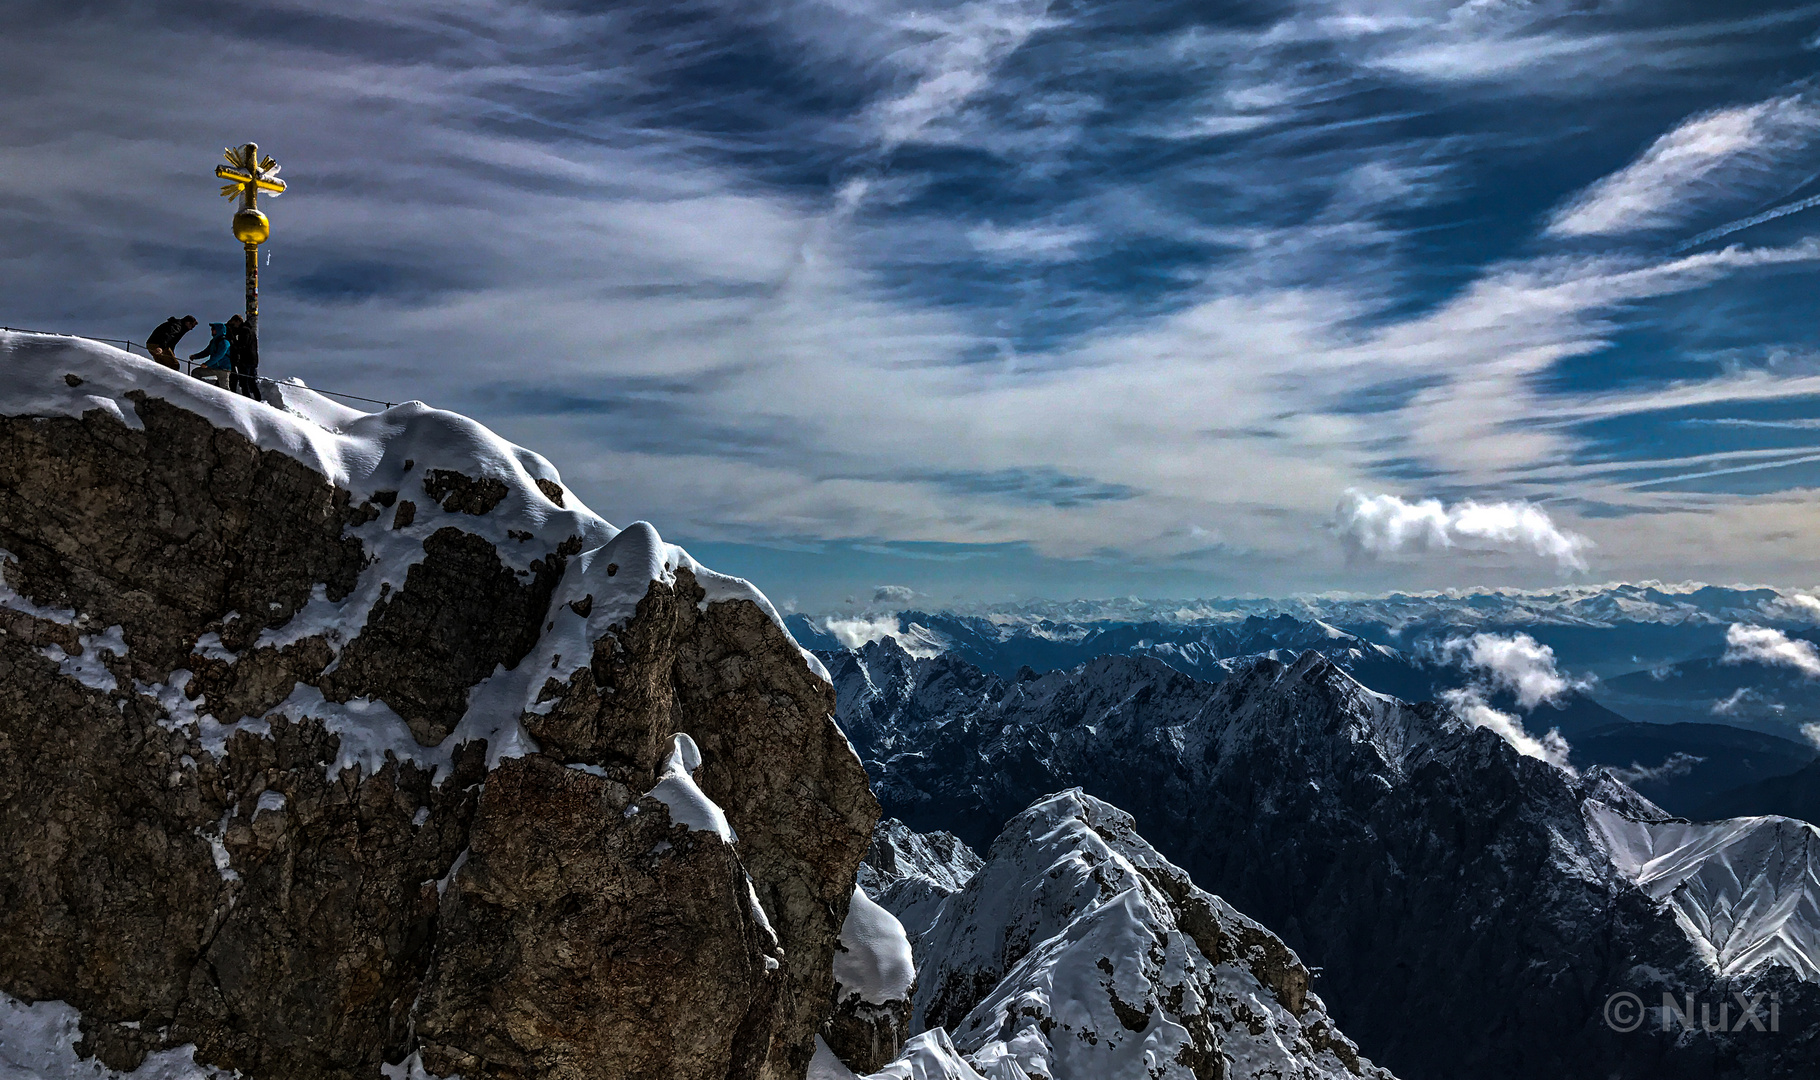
[912,874]
[329,739]
[1077,952]
[1474,909]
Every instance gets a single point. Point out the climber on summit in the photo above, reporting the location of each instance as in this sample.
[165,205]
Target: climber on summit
[164,339]
[245,358]
[214,356]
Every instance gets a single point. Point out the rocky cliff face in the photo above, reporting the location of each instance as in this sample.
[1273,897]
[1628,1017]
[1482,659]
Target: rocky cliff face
[327,740]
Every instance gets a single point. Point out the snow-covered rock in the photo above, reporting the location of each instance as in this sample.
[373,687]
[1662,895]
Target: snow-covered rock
[1079,953]
[911,874]
[1746,891]
[333,741]
[874,978]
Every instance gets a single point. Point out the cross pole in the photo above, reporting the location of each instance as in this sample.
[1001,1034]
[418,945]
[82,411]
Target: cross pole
[247,175]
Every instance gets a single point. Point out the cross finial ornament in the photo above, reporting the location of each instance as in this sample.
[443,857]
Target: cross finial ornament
[247,174]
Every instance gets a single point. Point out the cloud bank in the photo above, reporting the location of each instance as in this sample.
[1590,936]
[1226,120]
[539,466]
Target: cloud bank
[1382,525]
[1469,704]
[1746,644]
[1520,665]
[1676,765]
[1515,662]
[855,631]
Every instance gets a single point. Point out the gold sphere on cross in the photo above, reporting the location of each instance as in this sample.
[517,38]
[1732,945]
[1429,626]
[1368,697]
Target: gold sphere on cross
[251,226]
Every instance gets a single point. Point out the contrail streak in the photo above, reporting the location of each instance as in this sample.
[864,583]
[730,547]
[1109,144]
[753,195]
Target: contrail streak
[1744,223]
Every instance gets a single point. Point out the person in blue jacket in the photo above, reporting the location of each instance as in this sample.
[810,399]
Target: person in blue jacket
[215,356]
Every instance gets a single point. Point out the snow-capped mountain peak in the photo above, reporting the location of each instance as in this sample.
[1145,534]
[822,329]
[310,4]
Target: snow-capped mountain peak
[1078,952]
[1745,891]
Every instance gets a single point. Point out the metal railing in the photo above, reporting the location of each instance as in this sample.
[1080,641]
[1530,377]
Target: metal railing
[190,366]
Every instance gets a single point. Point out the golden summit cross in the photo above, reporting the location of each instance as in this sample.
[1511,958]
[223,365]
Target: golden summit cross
[248,175]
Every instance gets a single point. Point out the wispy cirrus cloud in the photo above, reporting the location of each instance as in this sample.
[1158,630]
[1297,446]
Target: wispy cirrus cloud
[1096,284]
[1726,152]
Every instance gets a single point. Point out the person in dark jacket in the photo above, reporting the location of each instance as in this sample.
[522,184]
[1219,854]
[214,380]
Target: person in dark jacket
[244,356]
[163,342]
[215,367]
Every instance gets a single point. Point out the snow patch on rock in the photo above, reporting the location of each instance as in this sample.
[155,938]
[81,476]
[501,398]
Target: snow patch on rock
[688,804]
[87,667]
[38,1042]
[873,959]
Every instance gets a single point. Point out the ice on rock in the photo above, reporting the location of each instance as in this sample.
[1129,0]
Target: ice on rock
[873,959]
[38,1042]
[676,789]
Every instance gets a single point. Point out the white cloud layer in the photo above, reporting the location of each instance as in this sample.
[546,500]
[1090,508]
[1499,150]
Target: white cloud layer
[1469,704]
[855,631]
[1746,644]
[1514,662]
[893,594]
[1380,525]
[562,222]
[1677,764]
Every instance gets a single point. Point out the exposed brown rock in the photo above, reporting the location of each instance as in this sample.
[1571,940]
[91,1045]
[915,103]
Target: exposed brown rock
[459,493]
[573,935]
[572,942]
[867,1037]
[461,613]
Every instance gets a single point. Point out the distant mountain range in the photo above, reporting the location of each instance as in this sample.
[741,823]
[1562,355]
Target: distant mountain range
[1645,653]
[1472,908]
[1592,606]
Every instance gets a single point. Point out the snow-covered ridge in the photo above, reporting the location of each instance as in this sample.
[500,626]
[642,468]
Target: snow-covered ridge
[1079,953]
[394,459]
[1745,891]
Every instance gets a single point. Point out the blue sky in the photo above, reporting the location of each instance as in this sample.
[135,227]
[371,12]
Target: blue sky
[1013,297]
